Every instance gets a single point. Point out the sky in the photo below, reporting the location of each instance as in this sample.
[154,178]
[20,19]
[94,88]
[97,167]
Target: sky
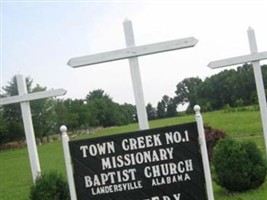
[39,37]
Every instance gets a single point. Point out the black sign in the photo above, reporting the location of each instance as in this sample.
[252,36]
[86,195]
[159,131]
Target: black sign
[156,164]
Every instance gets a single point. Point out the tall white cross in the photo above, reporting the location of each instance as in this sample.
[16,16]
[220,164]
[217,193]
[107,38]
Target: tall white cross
[255,58]
[24,99]
[132,52]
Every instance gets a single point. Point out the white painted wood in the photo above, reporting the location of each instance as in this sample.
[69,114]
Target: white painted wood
[259,83]
[136,78]
[254,58]
[32,96]
[204,153]
[133,51]
[24,98]
[238,60]
[68,163]
[28,128]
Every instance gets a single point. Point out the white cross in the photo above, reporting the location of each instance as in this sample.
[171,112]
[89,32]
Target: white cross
[131,53]
[255,58]
[24,98]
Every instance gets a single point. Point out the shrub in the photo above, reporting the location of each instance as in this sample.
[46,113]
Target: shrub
[239,166]
[213,136]
[50,186]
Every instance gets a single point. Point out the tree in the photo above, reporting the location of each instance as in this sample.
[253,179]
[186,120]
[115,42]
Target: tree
[161,110]
[97,94]
[3,128]
[61,113]
[105,112]
[42,111]
[129,112]
[229,87]
[167,107]
[246,84]
[12,113]
[151,112]
[234,87]
[43,115]
[171,108]
[186,91]
[67,113]
[101,107]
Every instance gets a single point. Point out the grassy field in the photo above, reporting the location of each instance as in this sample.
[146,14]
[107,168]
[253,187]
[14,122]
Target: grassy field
[15,175]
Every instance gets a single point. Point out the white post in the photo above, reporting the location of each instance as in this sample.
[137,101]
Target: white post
[259,83]
[136,78]
[28,128]
[65,141]
[204,153]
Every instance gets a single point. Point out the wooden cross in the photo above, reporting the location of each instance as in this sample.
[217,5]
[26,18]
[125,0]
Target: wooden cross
[132,52]
[24,98]
[255,58]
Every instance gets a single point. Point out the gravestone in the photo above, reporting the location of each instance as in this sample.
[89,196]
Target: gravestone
[24,99]
[132,53]
[255,58]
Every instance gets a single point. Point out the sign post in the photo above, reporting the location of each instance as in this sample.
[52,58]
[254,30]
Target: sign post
[132,53]
[204,152]
[255,58]
[24,99]
[65,143]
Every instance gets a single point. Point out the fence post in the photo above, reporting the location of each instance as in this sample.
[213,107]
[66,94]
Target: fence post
[204,152]
[65,141]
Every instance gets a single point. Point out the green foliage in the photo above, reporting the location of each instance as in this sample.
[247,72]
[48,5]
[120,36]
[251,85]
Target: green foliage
[233,88]
[3,128]
[239,166]
[50,186]
[167,107]
[151,112]
[43,115]
[229,90]
[161,113]
[187,92]
[104,112]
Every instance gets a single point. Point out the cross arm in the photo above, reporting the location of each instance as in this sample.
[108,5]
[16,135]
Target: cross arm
[32,96]
[133,52]
[238,60]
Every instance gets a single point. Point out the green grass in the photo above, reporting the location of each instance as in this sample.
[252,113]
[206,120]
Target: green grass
[259,194]
[15,174]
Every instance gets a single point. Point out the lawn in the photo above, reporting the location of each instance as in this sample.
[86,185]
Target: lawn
[15,174]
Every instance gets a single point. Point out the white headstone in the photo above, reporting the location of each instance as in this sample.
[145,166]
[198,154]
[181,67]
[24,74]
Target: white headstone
[132,52]
[255,58]
[24,98]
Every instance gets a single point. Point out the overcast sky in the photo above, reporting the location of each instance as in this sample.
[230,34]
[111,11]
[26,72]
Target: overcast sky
[39,37]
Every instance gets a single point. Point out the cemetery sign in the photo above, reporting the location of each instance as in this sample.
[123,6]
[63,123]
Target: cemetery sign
[155,164]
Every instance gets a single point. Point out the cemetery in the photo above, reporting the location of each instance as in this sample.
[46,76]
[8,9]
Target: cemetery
[17,164]
[175,158]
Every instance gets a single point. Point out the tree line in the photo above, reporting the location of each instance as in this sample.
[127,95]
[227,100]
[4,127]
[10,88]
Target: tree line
[234,87]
